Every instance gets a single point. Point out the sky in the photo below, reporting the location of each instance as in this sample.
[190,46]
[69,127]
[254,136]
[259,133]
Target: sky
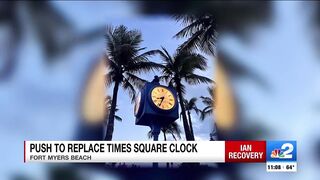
[281,52]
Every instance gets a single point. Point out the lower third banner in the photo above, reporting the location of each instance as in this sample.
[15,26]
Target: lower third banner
[279,155]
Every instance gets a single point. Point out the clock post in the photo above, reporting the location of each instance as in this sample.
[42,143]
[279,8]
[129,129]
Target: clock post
[156,107]
[155,130]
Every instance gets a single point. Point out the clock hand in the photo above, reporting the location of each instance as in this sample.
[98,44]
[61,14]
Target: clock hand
[162,98]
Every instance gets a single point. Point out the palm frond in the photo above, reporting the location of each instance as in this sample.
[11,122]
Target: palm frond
[195,79]
[165,78]
[108,79]
[211,90]
[150,135]
[201,33]
[191,105]
[149,53]
[135,80]
[209,102]
[205,112]
[193,100]
[108,101]
[206,100]
[189,30]
[145,67]
[169,57]
[172,128]
[191,43]
[188,62]
[118,118]
[127,86]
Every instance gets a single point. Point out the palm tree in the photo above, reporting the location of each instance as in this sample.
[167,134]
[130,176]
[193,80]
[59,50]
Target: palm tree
[201,27]
[181,66]
[200,31]
[172,128]
[125,61]
[108,101]
[209,103]
[191,106]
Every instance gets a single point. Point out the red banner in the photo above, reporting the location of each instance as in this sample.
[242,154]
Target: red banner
[245,151]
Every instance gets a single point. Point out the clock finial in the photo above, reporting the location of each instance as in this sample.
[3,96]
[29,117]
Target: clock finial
[156,79]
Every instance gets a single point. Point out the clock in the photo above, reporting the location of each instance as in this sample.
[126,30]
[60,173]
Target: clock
[156,104]
[163,98]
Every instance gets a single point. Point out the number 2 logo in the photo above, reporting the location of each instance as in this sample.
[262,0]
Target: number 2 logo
[288,148]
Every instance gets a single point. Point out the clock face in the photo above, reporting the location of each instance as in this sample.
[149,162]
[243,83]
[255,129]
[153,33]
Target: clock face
[137,104]
[163,98]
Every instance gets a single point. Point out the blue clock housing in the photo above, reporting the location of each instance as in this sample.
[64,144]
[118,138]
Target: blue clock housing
[148,114]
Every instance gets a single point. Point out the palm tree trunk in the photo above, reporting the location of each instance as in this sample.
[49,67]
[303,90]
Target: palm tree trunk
[110,123]
[164,136]
[174,137]
[187,132]
[190,123]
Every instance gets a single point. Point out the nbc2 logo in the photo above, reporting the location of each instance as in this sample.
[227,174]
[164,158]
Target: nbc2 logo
[281,150]
[284,152]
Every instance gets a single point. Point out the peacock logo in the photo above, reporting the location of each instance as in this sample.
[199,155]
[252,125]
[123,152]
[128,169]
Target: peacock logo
[277,153]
